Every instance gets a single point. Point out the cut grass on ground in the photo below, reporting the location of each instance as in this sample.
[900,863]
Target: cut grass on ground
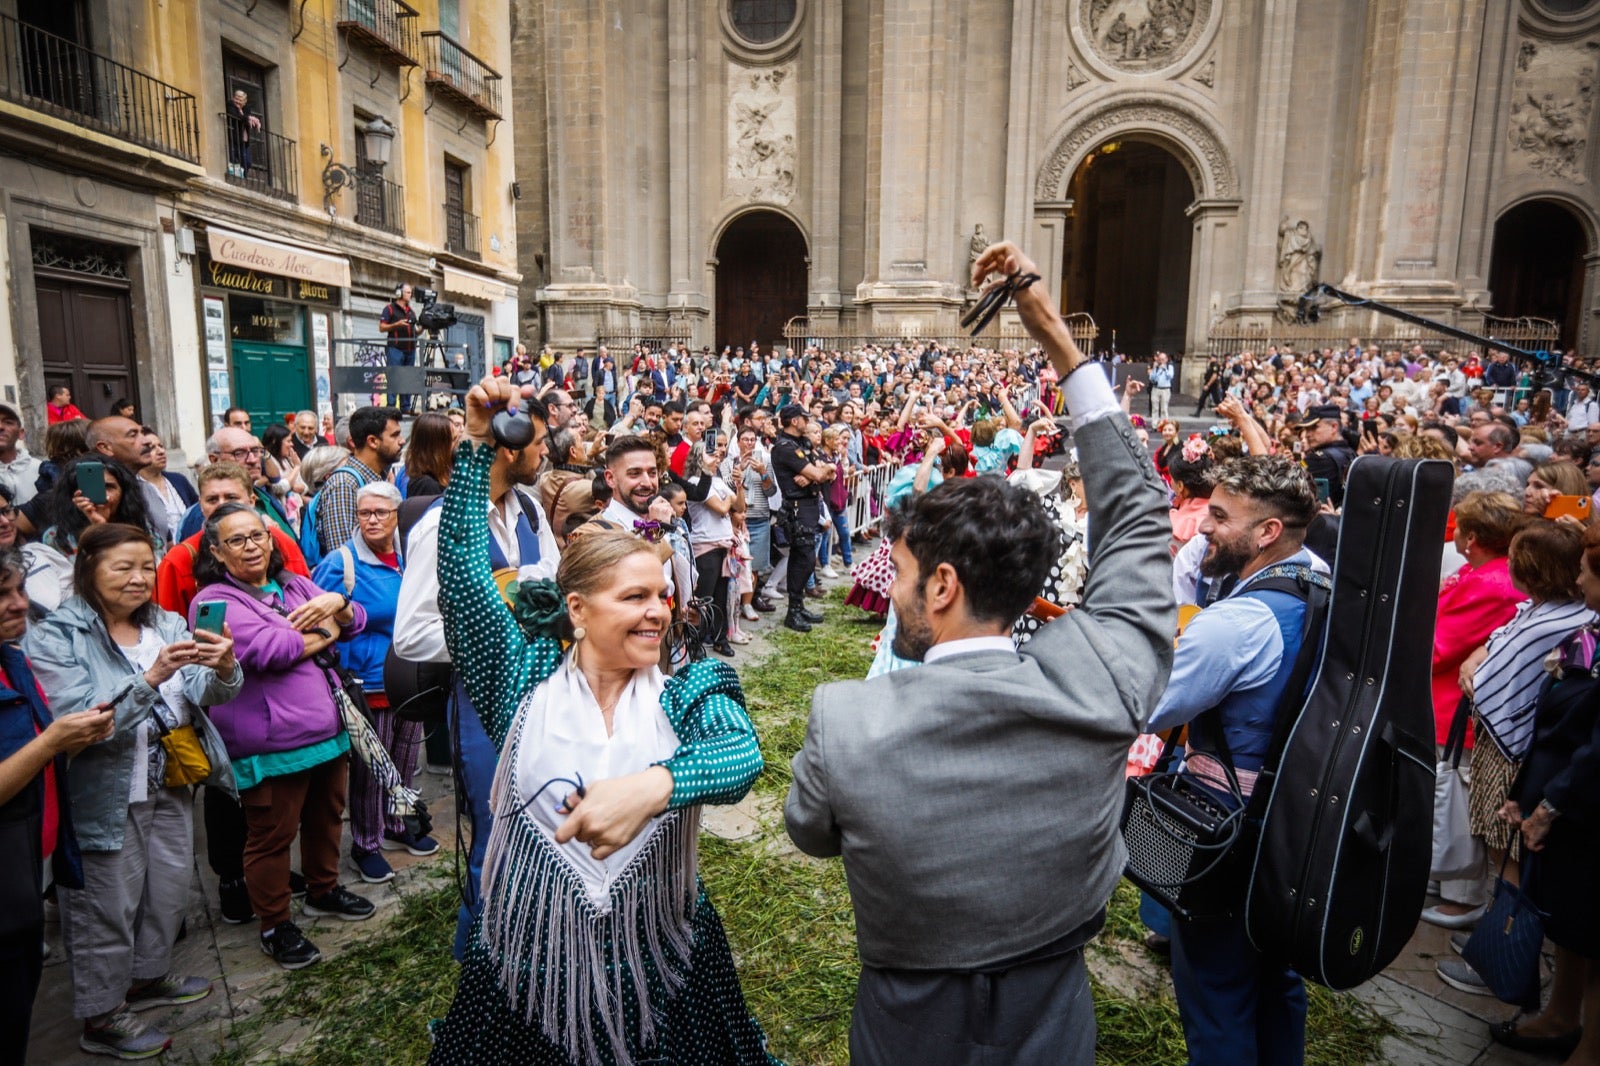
[788,919]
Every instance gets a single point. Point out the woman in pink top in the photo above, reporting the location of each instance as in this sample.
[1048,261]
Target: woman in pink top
[1191,487]
[1475,600]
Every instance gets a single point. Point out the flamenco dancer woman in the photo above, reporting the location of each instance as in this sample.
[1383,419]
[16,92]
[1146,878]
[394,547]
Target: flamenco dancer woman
[597,942]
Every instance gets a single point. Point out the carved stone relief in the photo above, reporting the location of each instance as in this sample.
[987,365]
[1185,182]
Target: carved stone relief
[1299,264]
[1074,76]
[1202,156]
[1552,96]
[1207,74]
[1142,35]
[761,133]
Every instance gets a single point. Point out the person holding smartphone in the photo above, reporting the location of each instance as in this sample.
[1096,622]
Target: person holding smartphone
[113,495]
[34,749]
[111,646]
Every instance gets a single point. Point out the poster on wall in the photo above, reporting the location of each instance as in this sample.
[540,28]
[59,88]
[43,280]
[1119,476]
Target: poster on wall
[216,334]
[320,361]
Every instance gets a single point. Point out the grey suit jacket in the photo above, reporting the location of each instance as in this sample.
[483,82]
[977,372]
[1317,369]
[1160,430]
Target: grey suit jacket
[976,800]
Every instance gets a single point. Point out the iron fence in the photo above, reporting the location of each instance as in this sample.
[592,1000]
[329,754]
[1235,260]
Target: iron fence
[380,203]
[388,27]
[460,75]
[799,334]
[261,160]
[1530,333]
[461,233]
[59,77]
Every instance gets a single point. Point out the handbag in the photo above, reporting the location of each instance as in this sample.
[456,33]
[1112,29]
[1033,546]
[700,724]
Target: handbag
[1504,947]
[187,763]
[1456,852]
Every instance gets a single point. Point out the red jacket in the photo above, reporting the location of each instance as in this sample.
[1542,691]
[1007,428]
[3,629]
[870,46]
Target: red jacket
[1473,602]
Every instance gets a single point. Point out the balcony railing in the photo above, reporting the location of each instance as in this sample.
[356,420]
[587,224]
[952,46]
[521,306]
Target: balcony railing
[460,75]
[388,27]
[461,233]
[55,76]
[380,203]
[259,160]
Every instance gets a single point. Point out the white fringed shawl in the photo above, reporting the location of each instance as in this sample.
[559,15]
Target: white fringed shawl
[575,939]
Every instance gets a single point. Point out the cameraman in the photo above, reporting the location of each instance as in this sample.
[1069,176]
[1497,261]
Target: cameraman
[398,324]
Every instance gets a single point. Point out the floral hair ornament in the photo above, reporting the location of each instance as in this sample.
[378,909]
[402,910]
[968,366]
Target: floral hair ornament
[1195,449]
[539,608]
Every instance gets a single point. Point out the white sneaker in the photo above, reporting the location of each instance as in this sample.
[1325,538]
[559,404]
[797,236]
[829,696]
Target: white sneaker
[748,613]
[829,571]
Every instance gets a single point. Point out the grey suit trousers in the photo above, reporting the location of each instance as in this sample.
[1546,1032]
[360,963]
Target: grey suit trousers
[1033,1014]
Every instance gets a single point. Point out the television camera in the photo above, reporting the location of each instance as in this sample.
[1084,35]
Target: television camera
[435,317]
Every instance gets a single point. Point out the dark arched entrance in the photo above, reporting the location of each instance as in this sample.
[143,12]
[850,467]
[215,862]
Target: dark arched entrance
[1537,266]
[1127,247]
[761,279]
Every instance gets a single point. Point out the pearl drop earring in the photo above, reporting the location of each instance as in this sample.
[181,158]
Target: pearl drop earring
[578,633]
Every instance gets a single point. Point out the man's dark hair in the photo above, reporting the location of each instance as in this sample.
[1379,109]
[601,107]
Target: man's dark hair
[226,415]
[57,390]
[995,535]
[208,569]
[746,413]
[1283,487]
[674,407]
[370,422]
[1446,432]
[627,445]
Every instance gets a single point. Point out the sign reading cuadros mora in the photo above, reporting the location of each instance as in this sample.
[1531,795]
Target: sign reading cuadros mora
[300,266]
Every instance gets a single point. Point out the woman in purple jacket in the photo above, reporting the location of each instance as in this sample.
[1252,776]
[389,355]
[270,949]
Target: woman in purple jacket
[283,731]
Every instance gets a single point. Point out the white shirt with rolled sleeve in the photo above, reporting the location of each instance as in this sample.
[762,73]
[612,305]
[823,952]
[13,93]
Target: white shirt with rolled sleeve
[418,629]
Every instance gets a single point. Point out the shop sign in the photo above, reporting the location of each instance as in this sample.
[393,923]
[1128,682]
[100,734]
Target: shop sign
[269,257]
[219,275]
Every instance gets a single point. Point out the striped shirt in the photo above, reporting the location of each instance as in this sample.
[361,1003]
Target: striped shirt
[1506,685]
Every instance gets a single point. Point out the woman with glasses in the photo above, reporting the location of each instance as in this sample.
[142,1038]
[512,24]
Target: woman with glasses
[8,516]
[71,514]
[367,569]
[283,731]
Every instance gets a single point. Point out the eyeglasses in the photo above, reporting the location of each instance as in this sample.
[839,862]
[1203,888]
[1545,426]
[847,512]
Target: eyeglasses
[241,454]
[259,537]
[376,516]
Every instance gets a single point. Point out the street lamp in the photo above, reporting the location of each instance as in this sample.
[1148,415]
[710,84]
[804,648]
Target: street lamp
[377,139]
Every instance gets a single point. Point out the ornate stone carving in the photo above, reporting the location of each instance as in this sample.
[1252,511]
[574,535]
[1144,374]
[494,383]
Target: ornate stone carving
[1142,35]
[1552,96]
[1299,264]
[1207,74]
[1202,154]
[1075,77]
[761,133]
[976,245]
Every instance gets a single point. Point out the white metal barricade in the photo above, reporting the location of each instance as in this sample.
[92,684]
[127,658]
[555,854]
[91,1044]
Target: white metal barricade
[867,488]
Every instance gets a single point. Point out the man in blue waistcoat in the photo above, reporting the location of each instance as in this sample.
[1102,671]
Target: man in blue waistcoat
[1238,1006]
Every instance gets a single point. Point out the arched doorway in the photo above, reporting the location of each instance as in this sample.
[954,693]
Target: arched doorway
[761,279]
[1536,267]
[1127,245]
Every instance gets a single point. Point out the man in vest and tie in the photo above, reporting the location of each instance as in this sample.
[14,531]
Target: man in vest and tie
[520,539]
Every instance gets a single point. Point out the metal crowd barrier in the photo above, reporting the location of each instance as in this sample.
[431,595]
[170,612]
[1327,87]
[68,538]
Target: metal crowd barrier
[867,488]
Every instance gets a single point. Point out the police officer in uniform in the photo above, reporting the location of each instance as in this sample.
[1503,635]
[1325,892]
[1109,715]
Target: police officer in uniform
[800,480]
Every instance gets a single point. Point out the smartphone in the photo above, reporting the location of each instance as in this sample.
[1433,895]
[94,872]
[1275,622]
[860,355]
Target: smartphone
[210,616]
[711,440]
[1576,506]
[1322,489]
[92,480]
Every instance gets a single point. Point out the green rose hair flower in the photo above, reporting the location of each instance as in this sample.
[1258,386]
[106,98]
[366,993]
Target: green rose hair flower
[539,608]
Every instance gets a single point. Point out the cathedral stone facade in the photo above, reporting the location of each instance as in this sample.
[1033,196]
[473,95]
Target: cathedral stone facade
[719,169]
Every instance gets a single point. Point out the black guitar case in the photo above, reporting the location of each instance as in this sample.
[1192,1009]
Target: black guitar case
[1341,865]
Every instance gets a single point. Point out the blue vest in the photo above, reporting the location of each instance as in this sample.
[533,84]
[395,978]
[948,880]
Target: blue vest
[1248,715]
[527,531]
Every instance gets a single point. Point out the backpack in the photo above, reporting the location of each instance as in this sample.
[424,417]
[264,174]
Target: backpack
[310,546]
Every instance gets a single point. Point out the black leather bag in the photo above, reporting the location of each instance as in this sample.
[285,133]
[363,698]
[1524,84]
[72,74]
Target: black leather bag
[1341,865]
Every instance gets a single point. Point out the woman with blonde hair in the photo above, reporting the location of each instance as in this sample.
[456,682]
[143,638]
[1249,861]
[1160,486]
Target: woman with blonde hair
[597,941]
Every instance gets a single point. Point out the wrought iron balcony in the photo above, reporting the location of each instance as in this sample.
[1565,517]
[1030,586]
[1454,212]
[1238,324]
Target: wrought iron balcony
[58,77]
[461,233]
[380,203]
[259,160]
[457,73]
[387,27]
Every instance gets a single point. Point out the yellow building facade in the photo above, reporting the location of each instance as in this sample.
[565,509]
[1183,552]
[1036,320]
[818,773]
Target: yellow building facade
[208,203]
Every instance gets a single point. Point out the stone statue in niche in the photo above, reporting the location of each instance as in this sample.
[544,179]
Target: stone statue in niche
[1551,101]
[761,133]
[1142,34]
[976,246]
[1299,264]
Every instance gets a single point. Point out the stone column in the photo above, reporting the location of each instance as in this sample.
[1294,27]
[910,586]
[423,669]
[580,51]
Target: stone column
[686,250]
[826,121]
[1216,242]
[1589,319]
[1274,64]
[1048,245]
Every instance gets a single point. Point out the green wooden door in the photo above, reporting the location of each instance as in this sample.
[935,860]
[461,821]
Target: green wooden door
[270,380]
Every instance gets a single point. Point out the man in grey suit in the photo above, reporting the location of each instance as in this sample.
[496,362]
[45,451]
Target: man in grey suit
[976,798]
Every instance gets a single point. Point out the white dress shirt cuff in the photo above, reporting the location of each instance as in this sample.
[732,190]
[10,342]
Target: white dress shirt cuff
[1089,396]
